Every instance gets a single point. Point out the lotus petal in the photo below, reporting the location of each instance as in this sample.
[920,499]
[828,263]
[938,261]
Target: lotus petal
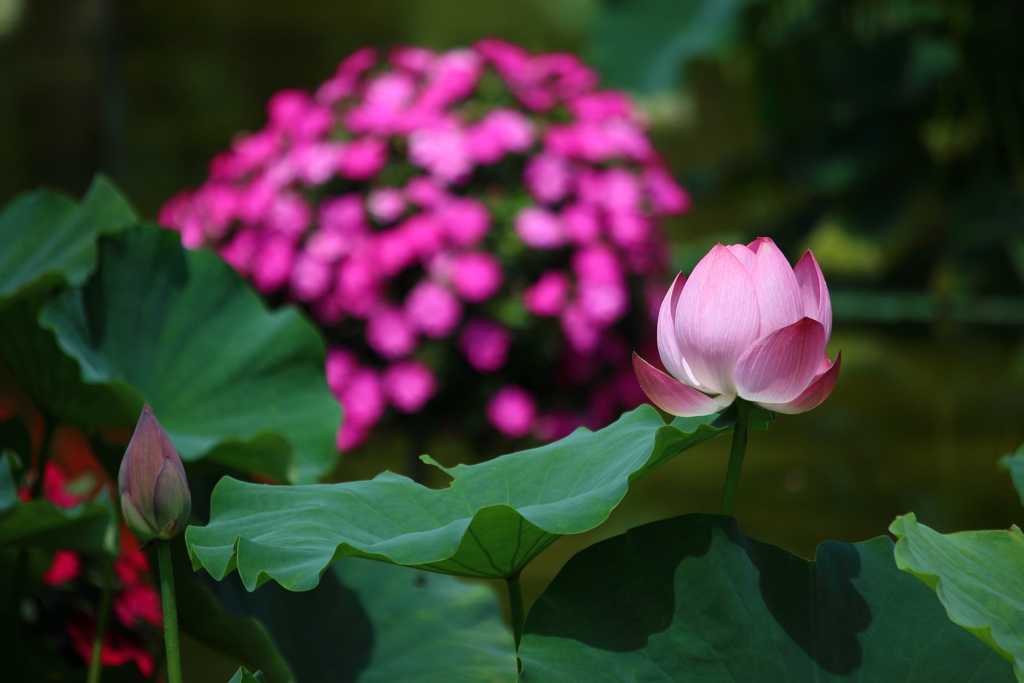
[778,294]
[813,396]
[814,292]
[670,394]
[779,366]
[717,319]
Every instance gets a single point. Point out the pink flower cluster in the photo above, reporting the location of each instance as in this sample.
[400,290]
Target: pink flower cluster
[375,203]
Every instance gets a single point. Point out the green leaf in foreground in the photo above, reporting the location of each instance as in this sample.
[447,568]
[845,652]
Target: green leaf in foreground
[204,618]
[228,379]
[1014,464]
[88,528]
[490,522]
[243,676]
[978,576]
[693,599]
[376,623]
[429,628]
[48,239]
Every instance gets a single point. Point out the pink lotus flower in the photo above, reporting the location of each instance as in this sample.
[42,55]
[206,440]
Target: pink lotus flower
[744,325]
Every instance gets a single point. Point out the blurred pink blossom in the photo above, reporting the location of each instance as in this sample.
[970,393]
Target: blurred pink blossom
[476,276]
[465,221]
[273,263]
[311,277]
[362,158]
[386,205]
[539,228]
[363,398]
[547,177]
[547,297]
[390,334]
[485,344]
[341,364]
[565,167]
[432,309]
[409,384]
[512,411]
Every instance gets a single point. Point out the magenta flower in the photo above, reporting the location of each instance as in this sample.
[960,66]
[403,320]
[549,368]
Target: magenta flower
[476,276]
[512,411]
[390,334]
[485,344]
[363,398]
[466,221]
[432,309]
[547,177]
[386,205]
[744,325]
[539,228]
[409,384]
[547,297]
[454,209]
[273,264]
[341,364]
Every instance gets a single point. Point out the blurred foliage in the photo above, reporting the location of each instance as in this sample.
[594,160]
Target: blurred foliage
[886,136]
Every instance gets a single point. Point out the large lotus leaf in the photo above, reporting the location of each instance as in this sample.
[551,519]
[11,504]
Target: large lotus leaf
[693,599]
[206,620]
[243,676]
[53,380]
[490,522]
[1014,464]
[978,576]
[47,238]
[429,628]
[372,623]
[645,45]
[87,528]
[228,379]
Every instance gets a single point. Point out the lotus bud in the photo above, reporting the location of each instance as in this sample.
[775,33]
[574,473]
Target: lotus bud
[155,501]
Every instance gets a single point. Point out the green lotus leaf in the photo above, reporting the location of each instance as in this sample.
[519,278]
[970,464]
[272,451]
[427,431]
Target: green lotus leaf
[243,676]
[87,528]
[490,522]
[692,599]
[1014,464]
[49,239]
[228,379]
[978,576]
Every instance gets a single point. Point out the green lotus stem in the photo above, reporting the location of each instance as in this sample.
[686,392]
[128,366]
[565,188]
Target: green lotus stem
[515,604]
[95,666]
[163,550]
[739,447]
